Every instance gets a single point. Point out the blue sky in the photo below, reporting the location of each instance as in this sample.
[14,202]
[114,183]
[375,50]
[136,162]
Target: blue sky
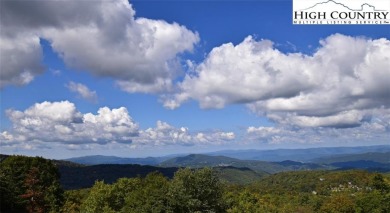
[150,78]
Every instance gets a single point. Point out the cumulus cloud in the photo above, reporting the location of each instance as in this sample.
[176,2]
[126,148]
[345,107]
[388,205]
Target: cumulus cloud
[165,134]
[60,122]
[340,85]
[275,135]
[244,73]
[160,85]
[20,59]
[344,119]
[101,37]
[373,132]
[83,91]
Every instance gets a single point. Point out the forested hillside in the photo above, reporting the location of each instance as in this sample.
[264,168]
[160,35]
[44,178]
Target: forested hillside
[29,184]
[100,159]
[261,167]
[202,191]
[76,177]
[32,184]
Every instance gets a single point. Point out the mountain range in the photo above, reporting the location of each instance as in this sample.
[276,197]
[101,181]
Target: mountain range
[229,169]
[277,155]
[234,166]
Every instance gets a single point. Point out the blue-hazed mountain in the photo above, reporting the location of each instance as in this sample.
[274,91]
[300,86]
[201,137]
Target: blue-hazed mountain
[301,155]
[277,155]
[378,157]
[261,167]
[373,161]
[101,159]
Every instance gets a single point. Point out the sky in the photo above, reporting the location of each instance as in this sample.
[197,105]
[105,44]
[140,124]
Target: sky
[152,78]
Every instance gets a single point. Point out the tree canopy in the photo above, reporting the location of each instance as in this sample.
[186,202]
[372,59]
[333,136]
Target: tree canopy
[29,184]
[32,185]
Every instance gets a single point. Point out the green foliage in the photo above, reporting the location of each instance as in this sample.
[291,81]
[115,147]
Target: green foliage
[338,203]
[32,185]
[8,196]
[233,175]
[378,183]
[370,202]
[196,191]
[322,191]
[122,189]
[29,184]
[189,191]
[78,177]
[73,200]
[128,195]
[377,200]
[245,201]
[321,182]
[201,191]
[149,196]
[99,199]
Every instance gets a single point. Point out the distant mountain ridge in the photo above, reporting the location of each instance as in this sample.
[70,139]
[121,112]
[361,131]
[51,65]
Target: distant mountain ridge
[102,159]
[378,157]
[277,155]
[80,175]
[261,167]
[371,161]
[199,160]
[300,155]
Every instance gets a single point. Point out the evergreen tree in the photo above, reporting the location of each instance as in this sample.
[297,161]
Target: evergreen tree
[29,184]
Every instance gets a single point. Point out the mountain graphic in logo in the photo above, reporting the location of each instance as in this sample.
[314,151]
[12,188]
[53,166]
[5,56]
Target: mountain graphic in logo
[341,12]
[326,5]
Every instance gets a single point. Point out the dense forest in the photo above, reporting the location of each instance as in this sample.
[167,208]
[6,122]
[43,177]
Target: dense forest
[33,184]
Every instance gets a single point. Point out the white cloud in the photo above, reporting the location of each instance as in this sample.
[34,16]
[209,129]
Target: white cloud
[20,59]
[165,134]
[160,85]
[61,123]
[83,91]
[341,84]
[375,131]
[103,38]
[244,73]
[271,135]
[345,119]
